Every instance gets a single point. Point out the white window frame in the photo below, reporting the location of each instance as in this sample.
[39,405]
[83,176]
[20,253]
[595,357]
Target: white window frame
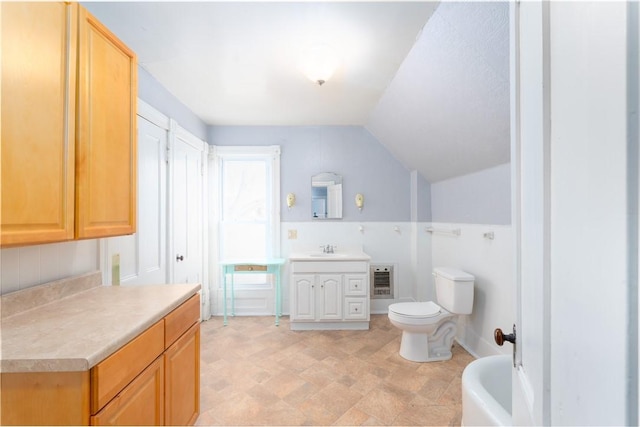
[268,153]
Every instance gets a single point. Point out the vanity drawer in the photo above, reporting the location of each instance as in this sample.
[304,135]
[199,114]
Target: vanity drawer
[116,371]
[181,319]
[355,285]
[356,309]
[329,267]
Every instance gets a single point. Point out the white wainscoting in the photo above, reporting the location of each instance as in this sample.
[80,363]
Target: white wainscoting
[491,262]
[28,266]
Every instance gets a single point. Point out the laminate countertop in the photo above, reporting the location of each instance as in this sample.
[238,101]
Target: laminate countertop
[58,328]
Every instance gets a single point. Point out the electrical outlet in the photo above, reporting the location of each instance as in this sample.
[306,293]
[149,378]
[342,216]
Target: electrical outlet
[115,269]
[292,234]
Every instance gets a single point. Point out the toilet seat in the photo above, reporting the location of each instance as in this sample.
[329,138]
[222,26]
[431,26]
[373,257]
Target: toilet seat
[415,310]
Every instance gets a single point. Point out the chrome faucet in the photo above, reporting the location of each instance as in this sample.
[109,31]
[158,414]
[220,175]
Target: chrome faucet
[328,249]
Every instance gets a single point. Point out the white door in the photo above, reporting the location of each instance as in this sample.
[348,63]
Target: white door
[186,255]
[529,154]
[574,187]
[152,203]
[142,255]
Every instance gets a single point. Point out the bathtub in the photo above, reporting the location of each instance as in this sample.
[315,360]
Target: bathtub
[486,392]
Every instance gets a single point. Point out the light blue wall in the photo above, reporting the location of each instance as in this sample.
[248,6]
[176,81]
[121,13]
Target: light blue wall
[351,151]
[154,94]
[479,198]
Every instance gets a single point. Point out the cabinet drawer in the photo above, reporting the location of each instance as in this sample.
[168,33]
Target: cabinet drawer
[250,268]
[111,375]
[141,403]
[181,319]
[356,309]
[355,285]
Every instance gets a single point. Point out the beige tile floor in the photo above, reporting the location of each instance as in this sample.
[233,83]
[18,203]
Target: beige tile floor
[254,373]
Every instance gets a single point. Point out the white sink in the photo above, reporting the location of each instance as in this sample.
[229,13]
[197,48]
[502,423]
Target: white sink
[333,255]
[336,256]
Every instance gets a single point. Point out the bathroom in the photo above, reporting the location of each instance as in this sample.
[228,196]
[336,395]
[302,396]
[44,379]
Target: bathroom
[399,206]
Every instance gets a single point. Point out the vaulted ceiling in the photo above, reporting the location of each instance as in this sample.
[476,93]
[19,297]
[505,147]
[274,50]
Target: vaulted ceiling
[430,81]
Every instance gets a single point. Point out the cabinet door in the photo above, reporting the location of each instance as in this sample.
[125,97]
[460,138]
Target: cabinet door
[303,297]
[38,115]
[182,379]
[140,403]
[329,297]
[106,133]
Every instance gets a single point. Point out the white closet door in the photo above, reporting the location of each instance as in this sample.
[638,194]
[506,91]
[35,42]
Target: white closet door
[143,254]
[187,229]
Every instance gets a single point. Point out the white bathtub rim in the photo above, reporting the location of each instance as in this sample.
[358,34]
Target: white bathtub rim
[479,407]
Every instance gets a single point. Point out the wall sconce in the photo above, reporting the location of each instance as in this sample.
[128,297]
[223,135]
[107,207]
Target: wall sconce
[291,200]
[359,201]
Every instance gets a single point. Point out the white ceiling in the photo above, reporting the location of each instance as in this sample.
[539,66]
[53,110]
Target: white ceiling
[437,98]
[237,63]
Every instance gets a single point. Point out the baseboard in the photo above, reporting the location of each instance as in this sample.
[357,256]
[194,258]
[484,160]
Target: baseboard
[468,350]
[477,346]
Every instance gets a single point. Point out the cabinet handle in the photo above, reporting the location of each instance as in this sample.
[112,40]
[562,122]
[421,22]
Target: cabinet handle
[179,258]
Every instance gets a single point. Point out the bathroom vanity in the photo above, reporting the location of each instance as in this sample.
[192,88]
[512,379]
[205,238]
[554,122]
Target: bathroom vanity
[329,291]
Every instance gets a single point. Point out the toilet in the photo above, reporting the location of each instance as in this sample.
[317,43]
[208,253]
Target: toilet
[428,329]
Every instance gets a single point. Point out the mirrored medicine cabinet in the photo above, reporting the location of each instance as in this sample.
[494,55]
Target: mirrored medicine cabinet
[326,196]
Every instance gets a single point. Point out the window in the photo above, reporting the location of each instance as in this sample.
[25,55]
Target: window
[249,214]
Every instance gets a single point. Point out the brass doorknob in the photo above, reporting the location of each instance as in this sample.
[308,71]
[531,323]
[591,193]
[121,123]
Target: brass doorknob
[501,337]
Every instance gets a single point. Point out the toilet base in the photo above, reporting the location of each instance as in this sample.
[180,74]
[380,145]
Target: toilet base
[424,347]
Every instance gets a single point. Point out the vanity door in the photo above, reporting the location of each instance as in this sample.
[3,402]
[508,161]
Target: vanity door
[329,292]
[303,297]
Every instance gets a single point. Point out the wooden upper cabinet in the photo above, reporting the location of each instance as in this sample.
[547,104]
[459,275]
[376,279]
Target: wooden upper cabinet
[106,133]
[68,126]
[38,122]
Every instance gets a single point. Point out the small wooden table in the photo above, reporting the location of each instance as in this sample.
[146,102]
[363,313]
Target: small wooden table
[254,266]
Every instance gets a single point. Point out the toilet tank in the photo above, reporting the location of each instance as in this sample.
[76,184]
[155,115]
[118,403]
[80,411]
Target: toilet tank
[454,289]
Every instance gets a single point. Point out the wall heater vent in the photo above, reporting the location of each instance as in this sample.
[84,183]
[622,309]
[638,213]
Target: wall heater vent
[381,280]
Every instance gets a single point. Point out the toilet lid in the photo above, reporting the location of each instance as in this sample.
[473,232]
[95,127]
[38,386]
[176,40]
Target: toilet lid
[416,309]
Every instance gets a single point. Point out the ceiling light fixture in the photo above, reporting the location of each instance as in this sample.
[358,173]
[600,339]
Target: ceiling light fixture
[319,63]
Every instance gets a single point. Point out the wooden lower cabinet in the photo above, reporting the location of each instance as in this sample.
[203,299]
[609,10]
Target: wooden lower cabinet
[44,398]
[182,379]
[111,376]
[154,379]
[141,403]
